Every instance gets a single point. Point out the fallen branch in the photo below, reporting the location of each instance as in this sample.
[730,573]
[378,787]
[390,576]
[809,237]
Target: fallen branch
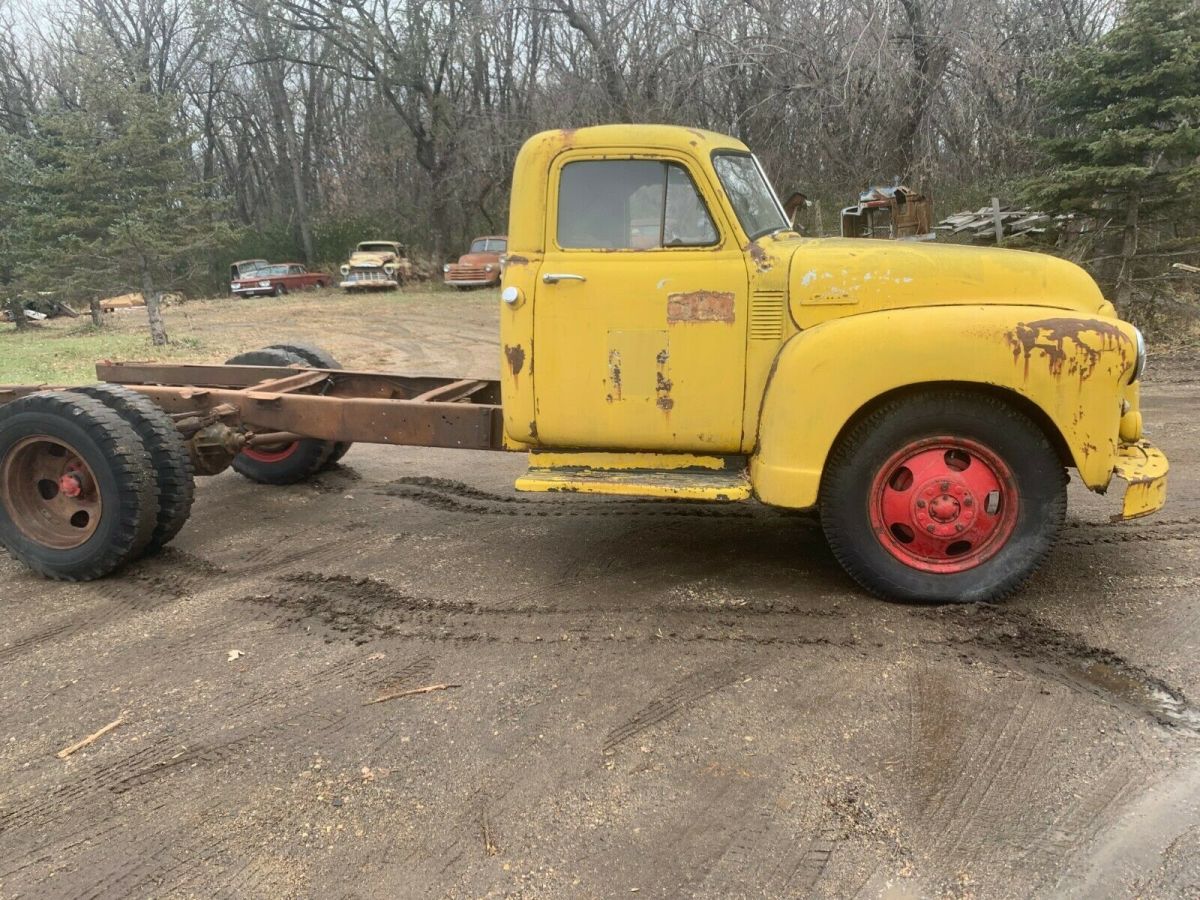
[395,695]
[91,738]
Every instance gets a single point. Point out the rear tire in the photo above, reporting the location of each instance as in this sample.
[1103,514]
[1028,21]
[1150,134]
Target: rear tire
[286,464]
[168,456]
[318,358]
[945,498]
[78,497]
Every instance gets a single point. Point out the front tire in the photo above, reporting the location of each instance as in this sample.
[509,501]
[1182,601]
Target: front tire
[946,498]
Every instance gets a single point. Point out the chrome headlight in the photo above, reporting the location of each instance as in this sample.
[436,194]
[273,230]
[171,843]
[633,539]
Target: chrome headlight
[1139,366]
[488,267]
[389,268]
[446,267]
[345,269]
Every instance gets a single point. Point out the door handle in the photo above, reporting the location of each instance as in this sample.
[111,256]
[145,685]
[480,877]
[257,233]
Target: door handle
[556,277]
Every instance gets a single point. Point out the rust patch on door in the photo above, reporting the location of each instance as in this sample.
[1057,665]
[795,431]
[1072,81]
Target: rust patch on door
[663,384]
[700,306]
[1073,346]
[516,358]
[614,374]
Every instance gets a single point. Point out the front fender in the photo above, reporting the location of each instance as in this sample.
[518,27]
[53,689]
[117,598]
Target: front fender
[1070,366]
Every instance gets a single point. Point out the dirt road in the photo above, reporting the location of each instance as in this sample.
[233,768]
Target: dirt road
[648,697]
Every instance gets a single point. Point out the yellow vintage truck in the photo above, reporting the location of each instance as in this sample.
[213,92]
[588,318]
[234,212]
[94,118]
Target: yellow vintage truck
[664,333]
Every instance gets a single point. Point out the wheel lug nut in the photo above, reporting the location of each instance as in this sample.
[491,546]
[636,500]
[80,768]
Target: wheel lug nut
[945,486]
[929,528]
[920,504]
[967,501]
[958,527]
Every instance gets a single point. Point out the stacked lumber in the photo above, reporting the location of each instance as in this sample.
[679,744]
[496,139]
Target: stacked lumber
[1014,221]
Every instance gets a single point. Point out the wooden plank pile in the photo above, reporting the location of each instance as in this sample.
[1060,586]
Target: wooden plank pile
[981,224]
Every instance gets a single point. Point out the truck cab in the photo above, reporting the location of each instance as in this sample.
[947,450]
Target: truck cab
[666,333]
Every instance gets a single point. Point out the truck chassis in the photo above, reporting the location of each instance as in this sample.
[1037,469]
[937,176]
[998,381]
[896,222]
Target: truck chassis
[128,448]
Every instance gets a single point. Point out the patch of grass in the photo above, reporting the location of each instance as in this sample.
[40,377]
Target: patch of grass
[64,351]
[374,330]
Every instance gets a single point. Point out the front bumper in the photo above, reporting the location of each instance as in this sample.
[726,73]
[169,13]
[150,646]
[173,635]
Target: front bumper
[368,284]
[1144,469]
[468,282]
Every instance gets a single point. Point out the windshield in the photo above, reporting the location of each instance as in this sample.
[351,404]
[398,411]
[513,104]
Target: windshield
[751,195]
[487,245]
[376,248]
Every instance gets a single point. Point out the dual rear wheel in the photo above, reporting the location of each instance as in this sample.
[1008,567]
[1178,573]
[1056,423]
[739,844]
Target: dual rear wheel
[89,480]
[297,460]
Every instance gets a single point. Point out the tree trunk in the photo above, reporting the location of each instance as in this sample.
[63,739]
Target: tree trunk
[158,330]
[1129,247]
[96,310]
[17,310]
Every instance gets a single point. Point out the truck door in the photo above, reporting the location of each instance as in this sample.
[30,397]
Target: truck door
[640,319]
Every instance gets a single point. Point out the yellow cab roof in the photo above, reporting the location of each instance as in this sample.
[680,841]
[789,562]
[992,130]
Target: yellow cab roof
[670,136]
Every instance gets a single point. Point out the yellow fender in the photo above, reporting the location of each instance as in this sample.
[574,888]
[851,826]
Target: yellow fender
[1070,367]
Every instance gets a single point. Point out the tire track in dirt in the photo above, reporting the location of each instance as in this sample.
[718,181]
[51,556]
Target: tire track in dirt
[455,496]
[761,855]
[982,809]
[362,610]
[1086,534]
[1049,653]
[146,586]
[684,693]
[86,791]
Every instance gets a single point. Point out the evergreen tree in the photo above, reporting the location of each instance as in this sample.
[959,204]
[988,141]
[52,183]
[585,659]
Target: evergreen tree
[1129,110]
[110,204]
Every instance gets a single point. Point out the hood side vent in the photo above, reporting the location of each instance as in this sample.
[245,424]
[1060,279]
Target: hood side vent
[766,315]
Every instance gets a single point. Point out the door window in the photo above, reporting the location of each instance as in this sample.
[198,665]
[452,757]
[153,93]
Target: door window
[630,204]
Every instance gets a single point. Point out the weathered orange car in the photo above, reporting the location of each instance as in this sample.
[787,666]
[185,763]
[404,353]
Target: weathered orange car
[479,266]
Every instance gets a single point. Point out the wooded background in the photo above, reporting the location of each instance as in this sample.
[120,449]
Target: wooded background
[306,125]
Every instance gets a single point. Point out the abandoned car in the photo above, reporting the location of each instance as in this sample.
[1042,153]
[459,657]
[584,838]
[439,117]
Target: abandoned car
[376,265]
[244,268]
[479,266]
[277,279]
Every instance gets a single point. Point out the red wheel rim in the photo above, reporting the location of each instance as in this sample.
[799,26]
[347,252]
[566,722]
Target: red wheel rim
[52,493]
[944,504]
[271,454]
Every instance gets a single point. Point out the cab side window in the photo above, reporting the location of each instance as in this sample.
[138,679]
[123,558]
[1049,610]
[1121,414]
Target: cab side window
[630,204]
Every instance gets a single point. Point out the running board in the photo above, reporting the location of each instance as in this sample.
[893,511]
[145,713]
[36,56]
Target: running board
[661,475]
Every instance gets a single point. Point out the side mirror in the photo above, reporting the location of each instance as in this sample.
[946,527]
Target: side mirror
[795,202]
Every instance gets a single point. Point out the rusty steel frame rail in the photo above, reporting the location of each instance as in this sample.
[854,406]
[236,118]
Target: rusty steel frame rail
[326,404]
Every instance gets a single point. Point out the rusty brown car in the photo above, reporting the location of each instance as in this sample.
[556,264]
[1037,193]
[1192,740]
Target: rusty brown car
[479,266]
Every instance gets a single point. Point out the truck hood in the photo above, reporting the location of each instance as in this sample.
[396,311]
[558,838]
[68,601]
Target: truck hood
[833,277]
[479,259]
[371,259]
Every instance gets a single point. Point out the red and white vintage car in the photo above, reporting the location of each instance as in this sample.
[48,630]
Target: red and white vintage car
[277,279]
[479,266]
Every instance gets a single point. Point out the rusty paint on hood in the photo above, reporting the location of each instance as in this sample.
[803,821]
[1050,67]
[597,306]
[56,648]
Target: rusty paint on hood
[1071,345]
